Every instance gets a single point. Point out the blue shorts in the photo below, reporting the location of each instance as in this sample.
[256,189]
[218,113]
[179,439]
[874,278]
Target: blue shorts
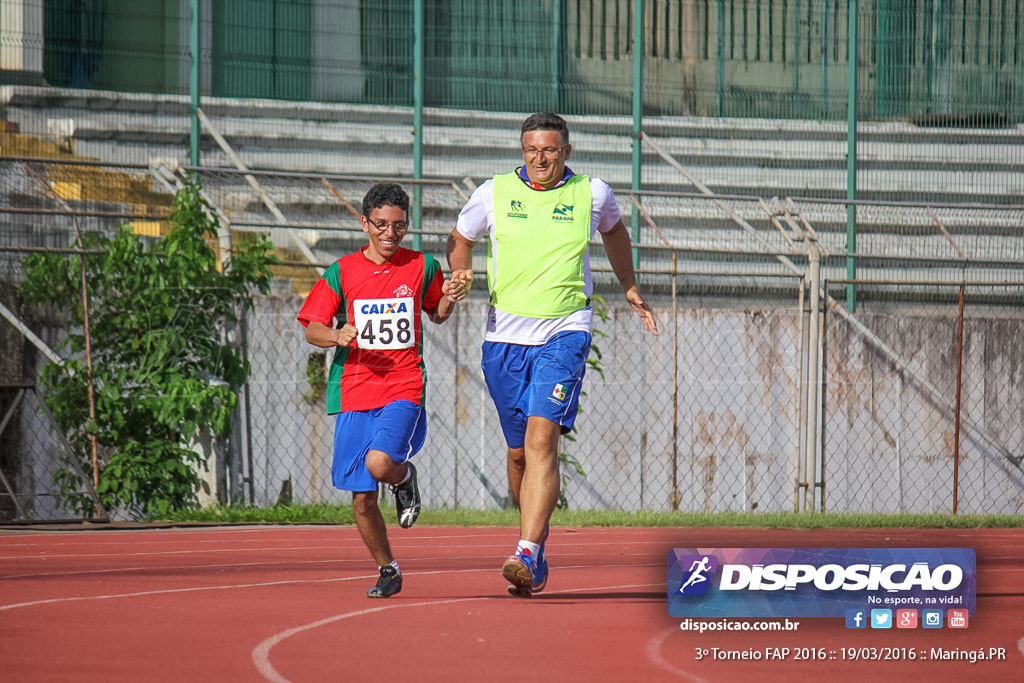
[397,429]
[541,381]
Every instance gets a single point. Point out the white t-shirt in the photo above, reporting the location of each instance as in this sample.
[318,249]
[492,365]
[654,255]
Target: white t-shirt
[476,221]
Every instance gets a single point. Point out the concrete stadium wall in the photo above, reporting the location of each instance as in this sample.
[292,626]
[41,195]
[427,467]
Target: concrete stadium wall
[888,448]
[715,431]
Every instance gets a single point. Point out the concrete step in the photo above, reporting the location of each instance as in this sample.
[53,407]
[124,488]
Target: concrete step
[743,156]
[31,97]
[753,157]
[993,170]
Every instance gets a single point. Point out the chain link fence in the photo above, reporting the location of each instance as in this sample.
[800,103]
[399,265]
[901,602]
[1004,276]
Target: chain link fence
[922,403]
[34,449]
[45,207]
[711,430]
[713,414]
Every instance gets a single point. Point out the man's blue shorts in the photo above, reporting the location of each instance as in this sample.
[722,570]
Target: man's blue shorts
[542,381]
[397,429]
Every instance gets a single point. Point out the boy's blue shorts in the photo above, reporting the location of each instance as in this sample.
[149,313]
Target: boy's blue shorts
[397,429]
[542,381]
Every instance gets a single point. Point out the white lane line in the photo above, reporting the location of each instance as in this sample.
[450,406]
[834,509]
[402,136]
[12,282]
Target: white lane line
[402,544]
[183,569]
[329,533]
[261,653]
[325,529]
[180,568]
[284,582]
[191,589]
[1020,645]
[654,654]
[192,551]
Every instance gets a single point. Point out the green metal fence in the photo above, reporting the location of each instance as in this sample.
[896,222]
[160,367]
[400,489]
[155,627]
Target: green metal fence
[763,58]
[261,49]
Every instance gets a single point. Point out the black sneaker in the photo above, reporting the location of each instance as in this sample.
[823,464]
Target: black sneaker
[388,583]
[407,500]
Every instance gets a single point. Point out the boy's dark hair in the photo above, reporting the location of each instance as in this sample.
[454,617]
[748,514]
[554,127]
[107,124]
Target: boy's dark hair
[547,120]
[385,194]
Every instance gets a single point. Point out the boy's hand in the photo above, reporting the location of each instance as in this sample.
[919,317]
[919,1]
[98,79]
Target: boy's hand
[345,335]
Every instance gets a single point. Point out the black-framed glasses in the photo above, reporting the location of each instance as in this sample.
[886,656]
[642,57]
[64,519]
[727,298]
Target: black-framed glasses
[399,228]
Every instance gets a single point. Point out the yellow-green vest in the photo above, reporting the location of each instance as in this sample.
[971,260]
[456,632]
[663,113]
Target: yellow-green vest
[536,252]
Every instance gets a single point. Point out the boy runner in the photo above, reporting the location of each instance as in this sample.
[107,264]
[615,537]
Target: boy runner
[377,379]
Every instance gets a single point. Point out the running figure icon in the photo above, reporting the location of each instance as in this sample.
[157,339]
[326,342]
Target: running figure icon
[697,570]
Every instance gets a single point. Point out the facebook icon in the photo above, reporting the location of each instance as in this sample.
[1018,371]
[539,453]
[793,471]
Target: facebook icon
[856,618]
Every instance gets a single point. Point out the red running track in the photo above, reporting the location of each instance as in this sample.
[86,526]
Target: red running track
[287,604]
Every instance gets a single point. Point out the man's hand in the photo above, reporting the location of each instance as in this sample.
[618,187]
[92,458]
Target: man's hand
[453,290]
[617,247]
[458,286]
[641,308]
[463,276]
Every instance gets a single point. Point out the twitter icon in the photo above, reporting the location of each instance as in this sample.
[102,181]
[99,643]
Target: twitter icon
[881,618]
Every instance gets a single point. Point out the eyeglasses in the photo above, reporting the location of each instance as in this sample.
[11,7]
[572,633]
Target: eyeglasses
[548,152]
[399,228]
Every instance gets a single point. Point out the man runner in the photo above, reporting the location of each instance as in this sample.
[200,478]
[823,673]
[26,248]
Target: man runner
[539,219]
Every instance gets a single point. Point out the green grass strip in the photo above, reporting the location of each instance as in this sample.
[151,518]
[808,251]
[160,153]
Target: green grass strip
[342,514]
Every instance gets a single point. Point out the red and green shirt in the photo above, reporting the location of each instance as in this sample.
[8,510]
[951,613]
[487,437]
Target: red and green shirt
[383,301]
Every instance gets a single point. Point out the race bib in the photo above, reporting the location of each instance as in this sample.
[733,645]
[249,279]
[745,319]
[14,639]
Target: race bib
[384,323]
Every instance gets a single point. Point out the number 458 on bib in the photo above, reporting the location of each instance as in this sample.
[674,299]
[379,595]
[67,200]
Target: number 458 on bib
[384,323]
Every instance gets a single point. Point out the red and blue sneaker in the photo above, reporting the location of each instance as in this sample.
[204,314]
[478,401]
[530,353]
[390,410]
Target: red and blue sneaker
[539,573]
[521,571]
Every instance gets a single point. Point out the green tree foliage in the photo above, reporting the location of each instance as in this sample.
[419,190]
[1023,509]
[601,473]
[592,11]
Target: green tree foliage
[163,369]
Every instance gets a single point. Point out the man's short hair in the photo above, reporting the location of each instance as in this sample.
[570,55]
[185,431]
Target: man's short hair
[547,120]
[385,194]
